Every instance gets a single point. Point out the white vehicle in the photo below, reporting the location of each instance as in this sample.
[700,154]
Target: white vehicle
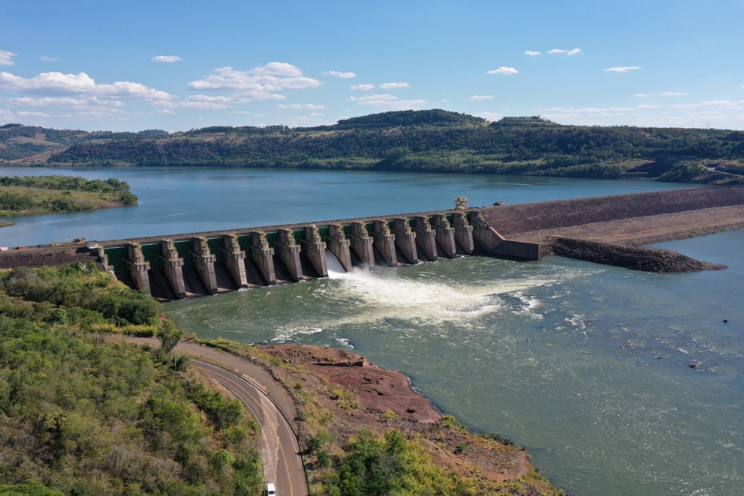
[270,489]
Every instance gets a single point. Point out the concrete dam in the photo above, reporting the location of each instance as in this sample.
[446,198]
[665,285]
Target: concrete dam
[198,264]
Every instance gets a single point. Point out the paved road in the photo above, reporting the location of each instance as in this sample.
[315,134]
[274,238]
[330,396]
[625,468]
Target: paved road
[279,451]
[253,385]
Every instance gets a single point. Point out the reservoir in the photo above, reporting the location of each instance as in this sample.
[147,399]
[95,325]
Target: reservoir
[588,366]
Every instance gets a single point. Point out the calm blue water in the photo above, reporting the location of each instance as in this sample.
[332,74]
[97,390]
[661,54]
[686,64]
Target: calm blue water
[560,355]
[182,200]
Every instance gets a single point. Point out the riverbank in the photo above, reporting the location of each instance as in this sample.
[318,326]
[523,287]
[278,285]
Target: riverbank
[341,398]
[23,196]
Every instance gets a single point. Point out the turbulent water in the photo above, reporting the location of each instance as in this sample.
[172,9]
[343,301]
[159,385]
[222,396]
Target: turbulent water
[560,355]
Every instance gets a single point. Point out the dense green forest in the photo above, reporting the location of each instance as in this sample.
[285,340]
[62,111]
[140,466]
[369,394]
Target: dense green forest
[415,141]
[45,194]
[83,413]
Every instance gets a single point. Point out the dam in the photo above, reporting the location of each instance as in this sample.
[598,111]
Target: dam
[198,264]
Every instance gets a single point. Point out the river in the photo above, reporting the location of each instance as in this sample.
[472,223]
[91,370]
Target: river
[588,366]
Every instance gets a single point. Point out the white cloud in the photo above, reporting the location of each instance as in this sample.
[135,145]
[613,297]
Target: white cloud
[297,106]
[643,94]
[50,59]
[32,114]
[5,57]
[56,83]
[506,71]
[476,98]
[575,51]
[83,103]
[714,103]
[672,93]
[240,112]
[363,87]
[165,111]
[623,69]
[204,102]
[391,86]
[260,83]
[167,58]
[489,116]
[343,75]
[647,106]
[530,52]
[387,101]
[6,114]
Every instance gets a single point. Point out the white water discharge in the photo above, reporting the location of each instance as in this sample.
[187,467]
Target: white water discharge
[334,266]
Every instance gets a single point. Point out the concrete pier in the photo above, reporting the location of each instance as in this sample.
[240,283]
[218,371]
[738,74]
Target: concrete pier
[263,256]
[384,242]
[426,237]
[314,247]
[445,235]
[140,267]
[339,245]
[405,240]
[235,259]
[362,244]
[289,252]
[205,264]
[463,233]
[172,265]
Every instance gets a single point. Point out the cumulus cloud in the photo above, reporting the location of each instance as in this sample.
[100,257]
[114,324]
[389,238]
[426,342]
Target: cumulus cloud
[390,86]
[6,57]
[530,52]
[643,94]
[165,111]
[647,106]
[297,106]
[167,58]
[476,98]
[56,83]
[83,103]
[506,71]
[24,113]
[387,101]
[363,87]
[5,114]
[672,93]
[575,51]
[260,83]
[623,69]
[50,59]
[343,75]
[204,102]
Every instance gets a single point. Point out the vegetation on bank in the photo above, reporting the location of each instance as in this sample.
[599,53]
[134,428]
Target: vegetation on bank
[83,413]
[414,141]
[57,194]
[343,457]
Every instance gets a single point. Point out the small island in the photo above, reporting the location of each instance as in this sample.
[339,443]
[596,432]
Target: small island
[38,195]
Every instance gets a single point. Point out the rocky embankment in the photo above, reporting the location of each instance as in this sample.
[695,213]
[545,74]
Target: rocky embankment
[629,257]
[45,258]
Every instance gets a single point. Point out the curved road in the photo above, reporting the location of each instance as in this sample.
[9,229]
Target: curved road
[279,451]
[252,385]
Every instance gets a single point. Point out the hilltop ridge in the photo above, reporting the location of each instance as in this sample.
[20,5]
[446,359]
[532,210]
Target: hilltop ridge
[412,141]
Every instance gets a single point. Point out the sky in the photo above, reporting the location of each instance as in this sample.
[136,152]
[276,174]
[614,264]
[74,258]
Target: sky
[179,65]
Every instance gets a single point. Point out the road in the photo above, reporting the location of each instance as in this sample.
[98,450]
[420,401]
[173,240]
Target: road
[253,385]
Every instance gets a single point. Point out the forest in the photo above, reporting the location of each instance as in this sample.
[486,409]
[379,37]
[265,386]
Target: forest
[84,413]
[57,194]
[412,141]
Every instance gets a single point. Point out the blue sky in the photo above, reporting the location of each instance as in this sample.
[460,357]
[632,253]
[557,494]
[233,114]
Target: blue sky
[184,64]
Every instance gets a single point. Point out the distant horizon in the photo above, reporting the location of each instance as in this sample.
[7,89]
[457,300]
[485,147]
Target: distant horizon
[347,118]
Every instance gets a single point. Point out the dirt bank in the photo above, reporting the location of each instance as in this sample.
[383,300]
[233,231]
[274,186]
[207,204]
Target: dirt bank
[44,258]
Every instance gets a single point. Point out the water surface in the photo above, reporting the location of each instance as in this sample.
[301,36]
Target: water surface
[586,365]
[174,200]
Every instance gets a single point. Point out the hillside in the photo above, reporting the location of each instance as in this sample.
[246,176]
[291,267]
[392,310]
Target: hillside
[414,141]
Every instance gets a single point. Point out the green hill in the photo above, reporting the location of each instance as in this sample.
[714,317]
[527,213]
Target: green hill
[414,141]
